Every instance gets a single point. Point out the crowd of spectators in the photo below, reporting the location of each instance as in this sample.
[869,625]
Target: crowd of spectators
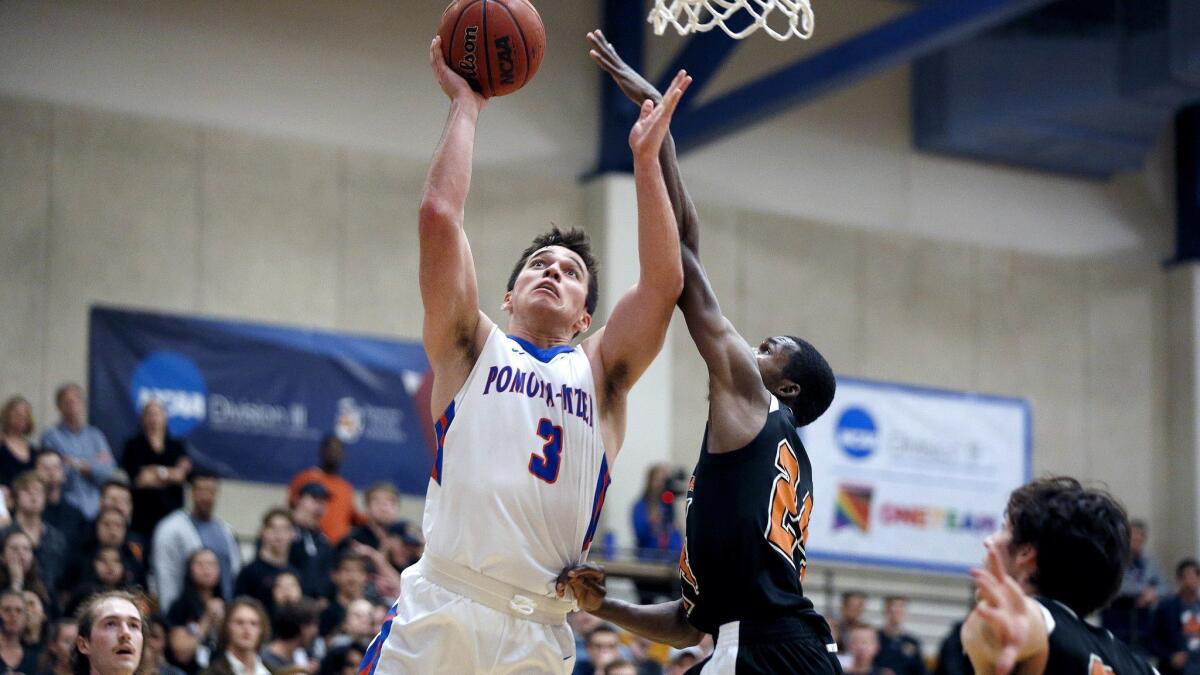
[76,520]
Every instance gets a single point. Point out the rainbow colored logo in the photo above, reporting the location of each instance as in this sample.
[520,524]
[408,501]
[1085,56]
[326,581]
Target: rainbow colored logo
[853,508]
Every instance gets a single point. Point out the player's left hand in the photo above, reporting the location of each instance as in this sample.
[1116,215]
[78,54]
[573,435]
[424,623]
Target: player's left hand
[648,132]
[1002,606]
[629,80]
[586,582]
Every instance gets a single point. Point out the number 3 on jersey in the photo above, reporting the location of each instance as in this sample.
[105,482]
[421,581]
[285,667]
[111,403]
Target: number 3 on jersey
[787,529]
[547,464]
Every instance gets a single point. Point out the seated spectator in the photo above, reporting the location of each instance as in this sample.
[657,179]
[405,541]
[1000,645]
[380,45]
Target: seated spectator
[275,541]
[20,570]
[49,545]
[294,627]
[850,614]
[16,452]
[158,466]
[37,627]
[56,657]
[1130,615]
[155,649]
[340,516]
[88,458]
[184,532]
[242,635]
[285,591]
[658,536]
[102,647]
[198,602]
[384,580]
[110,531]
[105,573]
[863,644]
[343,660]
[59,513]
[1176,627]
[118,496]
[358,626]
[383,511]
[311,552]
[898,650]
[640,655]
[603,647]
[349,584]
[620,667]
[403,546]
[14,655]
[952,658]
[682,661]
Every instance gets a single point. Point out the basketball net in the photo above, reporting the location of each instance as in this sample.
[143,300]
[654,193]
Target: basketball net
[700,16]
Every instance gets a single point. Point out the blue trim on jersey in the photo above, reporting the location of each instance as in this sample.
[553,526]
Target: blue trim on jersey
[371,659]
[440,428]
[602,482]
[543,355]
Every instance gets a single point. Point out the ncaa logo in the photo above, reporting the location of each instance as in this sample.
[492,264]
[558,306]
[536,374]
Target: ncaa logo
[856,433]
[173,380]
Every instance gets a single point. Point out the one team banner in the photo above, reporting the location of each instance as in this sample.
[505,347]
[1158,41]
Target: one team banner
[912,477]
[252,401]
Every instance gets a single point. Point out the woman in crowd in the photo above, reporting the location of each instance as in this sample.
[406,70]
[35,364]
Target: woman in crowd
[56,657]
[155,650]
[196,616]
[20,570]
[242,635]
[37,625]
[111,531]
[285,590]
[158,466]
[16,451]
[105,573]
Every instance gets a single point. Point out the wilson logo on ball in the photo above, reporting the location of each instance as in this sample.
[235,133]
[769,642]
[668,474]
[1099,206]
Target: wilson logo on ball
[495,45]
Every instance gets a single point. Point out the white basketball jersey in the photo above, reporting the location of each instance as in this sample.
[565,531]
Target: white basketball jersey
[520,473]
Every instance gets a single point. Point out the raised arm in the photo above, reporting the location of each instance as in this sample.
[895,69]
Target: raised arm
[449,291]
[729,358]
[665,622]
[638,323]
[1006,630]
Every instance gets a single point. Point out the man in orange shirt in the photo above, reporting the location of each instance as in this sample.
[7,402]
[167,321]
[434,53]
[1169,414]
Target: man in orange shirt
[341,515]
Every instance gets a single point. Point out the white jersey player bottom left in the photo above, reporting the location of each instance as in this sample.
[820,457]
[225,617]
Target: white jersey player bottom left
[448,633]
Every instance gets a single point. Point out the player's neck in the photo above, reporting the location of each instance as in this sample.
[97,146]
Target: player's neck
[540,339]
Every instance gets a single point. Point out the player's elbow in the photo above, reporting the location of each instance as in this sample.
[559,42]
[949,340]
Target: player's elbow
[688,636]
[436,214]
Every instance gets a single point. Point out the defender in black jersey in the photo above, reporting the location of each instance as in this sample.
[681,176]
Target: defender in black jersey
[750,498]
[1059,556]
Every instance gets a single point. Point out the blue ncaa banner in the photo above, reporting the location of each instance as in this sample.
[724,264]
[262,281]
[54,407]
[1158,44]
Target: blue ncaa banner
[252,401]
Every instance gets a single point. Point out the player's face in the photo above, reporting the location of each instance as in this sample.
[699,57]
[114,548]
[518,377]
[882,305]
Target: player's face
[773,355]
[115,645]
[554,282]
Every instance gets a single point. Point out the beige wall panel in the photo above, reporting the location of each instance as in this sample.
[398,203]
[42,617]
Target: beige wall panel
[24,212]
[271,231]
[123,226]
[804,280]
[920,307]
[379,292]
[1032,337]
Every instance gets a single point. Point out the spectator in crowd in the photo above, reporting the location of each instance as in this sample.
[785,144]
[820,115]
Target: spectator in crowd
[343,660]
[1176,627]
[952,658]
[639,655]
[64,516]
[111,531]
[56,657]
[49,545]
[383,512]
[863,644]
[20,569]
[275,540]
[116,494]
[183,532]
[14,655]
[89,460]
[1130,615]
[16,452]
[850,614]
[294,627]
[37,625]
[898,650]
[155,650]
[158,467]
[197,614]
[242,635]
[311,552]
[285,591]
[349,584]
[620,667]
[112,631]
[357,628]
[402,546]
[682,661]
[340,515]
[106,572]
[658,537]
[384,577]
[603,647]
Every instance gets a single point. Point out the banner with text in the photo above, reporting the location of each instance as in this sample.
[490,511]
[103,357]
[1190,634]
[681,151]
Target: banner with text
[253,401]
[913,477]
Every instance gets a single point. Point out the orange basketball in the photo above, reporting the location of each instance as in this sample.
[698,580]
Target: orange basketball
[496,45]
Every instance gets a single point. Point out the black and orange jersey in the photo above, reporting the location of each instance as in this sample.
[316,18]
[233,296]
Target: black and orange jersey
[1077,647]
[747,526]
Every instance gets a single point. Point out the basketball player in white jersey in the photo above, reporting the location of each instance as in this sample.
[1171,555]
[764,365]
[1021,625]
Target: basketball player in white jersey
[527,424]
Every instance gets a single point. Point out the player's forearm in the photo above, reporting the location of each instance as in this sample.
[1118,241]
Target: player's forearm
[681,202]
[444,198]
[658,240]
[663,622]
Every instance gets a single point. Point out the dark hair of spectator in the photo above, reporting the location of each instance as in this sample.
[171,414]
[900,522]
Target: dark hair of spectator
[115,484]
[277,512]
[381,486]
[1081,536]
[349,556]
[26,480]
[290,619]
[46,661]
[264,623]
[574,240]
[614,665]
[602,628]
[1139,524]
[63,389]
[853,594]
[33,575]
[887,600]
[86,617]
[9,405]
[199,474]
[1185,565]
[190,605]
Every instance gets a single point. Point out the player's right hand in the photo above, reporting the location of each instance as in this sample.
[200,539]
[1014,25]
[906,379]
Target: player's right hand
[452,84]
[586,583]
[1003,607]
[630,81]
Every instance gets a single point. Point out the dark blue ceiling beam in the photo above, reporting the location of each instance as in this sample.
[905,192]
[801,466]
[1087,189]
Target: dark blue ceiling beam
[623,26]
[1187,172]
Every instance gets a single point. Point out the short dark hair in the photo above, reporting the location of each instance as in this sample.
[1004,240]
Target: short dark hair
[811,371]
[349,556]
[115,483]
[63,389]
[291,618]
[575,240]
[277,512]
[1186,564]
[853,594]
[602,628]
[199,474]
[1081,536]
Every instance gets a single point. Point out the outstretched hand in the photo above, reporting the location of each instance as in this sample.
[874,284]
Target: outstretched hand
[629,80]
[451,82]
[1002,606]
[648,132]
[586,582]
